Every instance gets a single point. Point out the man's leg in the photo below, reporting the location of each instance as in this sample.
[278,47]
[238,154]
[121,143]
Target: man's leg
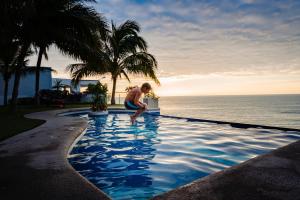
[136,114]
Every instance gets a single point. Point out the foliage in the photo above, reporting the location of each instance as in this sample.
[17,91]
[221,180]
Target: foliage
[151,95]
[58,85]
[99,92]
[8,57]
[52,97]
[25,101]
[72,25]
[123,52]
[69,24]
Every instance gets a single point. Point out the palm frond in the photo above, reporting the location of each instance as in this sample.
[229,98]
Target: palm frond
[141,63]
[78,71]
[123,52]
[129,26]
[126,75]
[81,70]
[130,44]
[124,39]
[76,29]
[45,53]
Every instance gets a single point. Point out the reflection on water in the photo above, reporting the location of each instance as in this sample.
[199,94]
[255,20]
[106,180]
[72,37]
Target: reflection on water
[159,154]
[114,154]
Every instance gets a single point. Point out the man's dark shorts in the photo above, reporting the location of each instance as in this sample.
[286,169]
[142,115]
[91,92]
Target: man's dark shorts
[130,105]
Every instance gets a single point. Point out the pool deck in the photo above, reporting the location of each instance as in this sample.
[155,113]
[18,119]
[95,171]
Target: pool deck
[34,165]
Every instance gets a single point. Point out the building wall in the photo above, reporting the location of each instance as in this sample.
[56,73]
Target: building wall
[27,84]
[74,88]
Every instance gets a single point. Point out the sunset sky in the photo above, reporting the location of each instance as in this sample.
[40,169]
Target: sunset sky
[204,47]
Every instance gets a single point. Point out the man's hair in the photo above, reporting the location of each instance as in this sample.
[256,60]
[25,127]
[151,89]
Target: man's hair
[147,86]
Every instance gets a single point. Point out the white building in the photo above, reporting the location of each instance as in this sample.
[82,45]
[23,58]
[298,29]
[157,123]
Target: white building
[27,84]
[80,87]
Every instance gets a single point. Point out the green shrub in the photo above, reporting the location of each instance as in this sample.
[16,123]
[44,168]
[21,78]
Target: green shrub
[99,93]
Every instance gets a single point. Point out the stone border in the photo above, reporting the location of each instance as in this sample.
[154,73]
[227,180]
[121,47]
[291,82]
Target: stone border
[155,112]
[34,165]
[233,124]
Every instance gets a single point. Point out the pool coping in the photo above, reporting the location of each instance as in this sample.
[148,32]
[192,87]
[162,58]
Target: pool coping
[34,164]
[232,124]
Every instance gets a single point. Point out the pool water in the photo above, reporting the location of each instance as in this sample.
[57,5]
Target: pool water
[160,153]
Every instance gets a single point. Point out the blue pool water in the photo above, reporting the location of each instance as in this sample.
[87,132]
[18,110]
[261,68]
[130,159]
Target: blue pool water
[160,153]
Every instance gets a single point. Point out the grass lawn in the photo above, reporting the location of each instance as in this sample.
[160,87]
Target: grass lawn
[12,124]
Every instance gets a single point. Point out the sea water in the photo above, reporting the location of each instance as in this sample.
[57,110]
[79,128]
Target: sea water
[272,110]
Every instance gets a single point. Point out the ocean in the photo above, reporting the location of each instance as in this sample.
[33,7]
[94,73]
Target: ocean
[272,110]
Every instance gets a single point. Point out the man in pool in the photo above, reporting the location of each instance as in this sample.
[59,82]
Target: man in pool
[132,100]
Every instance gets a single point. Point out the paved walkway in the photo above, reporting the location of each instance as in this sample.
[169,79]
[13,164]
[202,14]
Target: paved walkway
[34,165]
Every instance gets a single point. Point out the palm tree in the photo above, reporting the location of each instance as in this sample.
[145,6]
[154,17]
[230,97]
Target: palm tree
[8,55]
[124,53]
[52,26]
[9,23]
[69,24]
[58,84]
[9,52]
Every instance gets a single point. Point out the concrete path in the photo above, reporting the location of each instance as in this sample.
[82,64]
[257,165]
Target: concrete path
[33,164]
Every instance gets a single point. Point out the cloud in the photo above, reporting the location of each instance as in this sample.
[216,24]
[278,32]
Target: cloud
[236,38]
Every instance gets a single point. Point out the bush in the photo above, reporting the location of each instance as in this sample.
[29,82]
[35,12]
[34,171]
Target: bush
[26,101]
[52,97]
[99,93]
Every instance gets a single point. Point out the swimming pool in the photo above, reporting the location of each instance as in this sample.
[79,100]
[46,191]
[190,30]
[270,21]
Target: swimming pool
[161,153]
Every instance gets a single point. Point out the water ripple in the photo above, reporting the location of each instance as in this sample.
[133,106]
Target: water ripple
[159,154]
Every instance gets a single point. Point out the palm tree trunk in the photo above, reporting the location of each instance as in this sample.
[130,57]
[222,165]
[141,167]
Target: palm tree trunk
[15,90]
[6,78]
[113,101]
[20,64]
[5,91]
[37,75]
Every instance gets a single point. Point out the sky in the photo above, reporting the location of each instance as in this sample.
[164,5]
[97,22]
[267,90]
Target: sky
[210,47]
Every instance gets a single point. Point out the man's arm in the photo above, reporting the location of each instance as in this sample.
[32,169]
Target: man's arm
[136,100]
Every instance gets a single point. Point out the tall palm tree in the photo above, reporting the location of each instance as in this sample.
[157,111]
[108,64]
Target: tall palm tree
[58,84]
[70,24]
[8,55]
[10,46]
[52,26]
[9,52]
[124,53]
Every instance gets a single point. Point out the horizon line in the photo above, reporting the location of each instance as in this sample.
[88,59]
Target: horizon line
[230,95]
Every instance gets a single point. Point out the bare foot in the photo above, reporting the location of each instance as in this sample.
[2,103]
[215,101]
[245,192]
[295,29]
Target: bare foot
[132,119]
